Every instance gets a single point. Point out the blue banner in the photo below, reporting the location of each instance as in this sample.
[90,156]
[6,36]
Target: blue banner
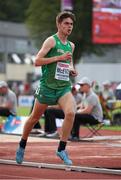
[14,124]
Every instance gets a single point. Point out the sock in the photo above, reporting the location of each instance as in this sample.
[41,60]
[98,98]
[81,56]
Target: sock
[23,143]
[62,146]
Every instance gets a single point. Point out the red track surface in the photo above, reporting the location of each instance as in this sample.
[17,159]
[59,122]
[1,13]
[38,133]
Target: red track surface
[92,154]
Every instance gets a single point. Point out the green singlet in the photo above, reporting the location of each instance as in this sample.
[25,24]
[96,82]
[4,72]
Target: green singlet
[55,81]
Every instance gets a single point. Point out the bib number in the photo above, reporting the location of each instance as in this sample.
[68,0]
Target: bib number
[62,71]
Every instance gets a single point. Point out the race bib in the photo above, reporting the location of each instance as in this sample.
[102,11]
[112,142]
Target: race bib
[62,71]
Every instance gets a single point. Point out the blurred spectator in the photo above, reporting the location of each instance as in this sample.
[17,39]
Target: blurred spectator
[26,88]
[21,89]
[77,95]
[118,92]
[90,110]
[8,100]
[96,87]
[107,92]
[14,88]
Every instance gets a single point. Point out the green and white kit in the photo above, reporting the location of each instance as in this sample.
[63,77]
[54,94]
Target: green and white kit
[55,81]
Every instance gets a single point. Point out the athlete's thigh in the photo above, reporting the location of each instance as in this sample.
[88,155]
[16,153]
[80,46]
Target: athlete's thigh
[67,102]
[38,109]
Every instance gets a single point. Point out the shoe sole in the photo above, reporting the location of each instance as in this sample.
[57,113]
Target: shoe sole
[69,164]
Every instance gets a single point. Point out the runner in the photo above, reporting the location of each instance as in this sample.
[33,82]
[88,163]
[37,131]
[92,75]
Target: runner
[55,57]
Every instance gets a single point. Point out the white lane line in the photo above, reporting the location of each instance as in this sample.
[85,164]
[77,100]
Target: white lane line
[63,167]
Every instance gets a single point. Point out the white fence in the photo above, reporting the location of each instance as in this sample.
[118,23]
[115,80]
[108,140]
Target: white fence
[99,72]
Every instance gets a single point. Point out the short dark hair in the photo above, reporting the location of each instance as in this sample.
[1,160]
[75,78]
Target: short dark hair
[65,14]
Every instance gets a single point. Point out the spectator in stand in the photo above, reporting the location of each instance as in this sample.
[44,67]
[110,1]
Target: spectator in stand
[106,95]
[14,88]
[107,92]
[8,100]
[26,88]
[89,111]
[77,94]
[118,92]
[21,89]
[96,87]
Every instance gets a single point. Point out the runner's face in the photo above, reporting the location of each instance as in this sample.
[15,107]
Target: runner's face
[66,26]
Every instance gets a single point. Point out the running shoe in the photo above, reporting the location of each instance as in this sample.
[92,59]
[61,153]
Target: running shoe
[64,156]
[74,138]
[52,135]
[20,155]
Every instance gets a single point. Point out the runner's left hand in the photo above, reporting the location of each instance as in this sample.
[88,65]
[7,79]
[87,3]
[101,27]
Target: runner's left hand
[73,72]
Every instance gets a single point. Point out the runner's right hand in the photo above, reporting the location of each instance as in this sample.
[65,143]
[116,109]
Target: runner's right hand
[65,57]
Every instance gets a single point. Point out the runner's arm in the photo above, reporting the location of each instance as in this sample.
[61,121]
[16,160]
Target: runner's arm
[72,70]
[46,47]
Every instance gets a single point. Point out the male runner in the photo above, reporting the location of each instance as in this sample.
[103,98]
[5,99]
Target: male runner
[55,57]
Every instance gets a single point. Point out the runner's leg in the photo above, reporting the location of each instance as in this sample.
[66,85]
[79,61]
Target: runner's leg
[37,112]
[68,105]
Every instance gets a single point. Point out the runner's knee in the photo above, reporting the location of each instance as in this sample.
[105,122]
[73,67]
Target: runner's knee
[70,114]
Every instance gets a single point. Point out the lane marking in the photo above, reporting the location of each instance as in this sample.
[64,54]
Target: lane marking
[63,167]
